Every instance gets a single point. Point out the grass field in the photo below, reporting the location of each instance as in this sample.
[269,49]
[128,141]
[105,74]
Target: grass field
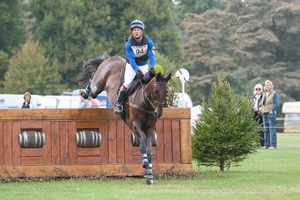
[268,174]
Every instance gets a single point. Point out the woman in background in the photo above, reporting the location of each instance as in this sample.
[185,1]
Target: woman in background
[270,105]
[27,101]
[257,103]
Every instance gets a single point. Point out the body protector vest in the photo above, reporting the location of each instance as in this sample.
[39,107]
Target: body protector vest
[140,51]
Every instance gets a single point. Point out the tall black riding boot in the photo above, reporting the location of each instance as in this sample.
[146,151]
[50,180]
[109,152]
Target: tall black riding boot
[119,107]
[86,91]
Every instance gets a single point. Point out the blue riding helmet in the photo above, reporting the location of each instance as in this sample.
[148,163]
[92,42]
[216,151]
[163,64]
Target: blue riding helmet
[137,24]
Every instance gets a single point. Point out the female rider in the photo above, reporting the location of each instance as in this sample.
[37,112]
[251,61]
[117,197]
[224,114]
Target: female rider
[139,49]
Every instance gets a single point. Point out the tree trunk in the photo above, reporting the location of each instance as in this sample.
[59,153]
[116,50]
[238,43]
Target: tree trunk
[222,165]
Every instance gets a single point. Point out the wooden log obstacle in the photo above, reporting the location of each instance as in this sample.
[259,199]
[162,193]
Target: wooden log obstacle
[87,142]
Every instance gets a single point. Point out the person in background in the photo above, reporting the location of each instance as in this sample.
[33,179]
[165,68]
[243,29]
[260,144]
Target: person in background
[257,103]
[27,101]
[270,105]
[84,103]
[139,50]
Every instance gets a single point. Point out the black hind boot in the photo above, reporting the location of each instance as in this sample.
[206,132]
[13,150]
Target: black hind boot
[86,91]
[119,105]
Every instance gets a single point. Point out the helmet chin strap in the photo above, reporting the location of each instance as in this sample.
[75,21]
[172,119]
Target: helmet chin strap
[137,38]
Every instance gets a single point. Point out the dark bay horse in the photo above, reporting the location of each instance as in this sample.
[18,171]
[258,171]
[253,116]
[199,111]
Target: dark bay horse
[143,107]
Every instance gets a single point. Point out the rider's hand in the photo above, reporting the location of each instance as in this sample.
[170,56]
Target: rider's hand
[151,71]
[139,74]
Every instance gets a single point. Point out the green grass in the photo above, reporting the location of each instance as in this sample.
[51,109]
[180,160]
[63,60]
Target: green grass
[268,174]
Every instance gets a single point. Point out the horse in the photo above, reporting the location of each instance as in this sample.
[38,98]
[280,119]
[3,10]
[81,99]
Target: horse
[142,108]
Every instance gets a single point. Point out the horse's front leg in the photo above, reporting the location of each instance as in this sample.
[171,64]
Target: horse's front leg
[145,148]
[150,135]
[142,143]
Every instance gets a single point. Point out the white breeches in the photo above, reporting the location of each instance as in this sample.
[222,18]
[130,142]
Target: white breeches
[130,73]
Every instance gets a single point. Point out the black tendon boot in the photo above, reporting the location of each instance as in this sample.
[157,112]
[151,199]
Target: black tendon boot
[119,107]
[86,91]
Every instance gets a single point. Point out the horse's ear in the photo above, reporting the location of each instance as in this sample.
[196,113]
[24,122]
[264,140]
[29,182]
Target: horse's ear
[168,77]
[159,76]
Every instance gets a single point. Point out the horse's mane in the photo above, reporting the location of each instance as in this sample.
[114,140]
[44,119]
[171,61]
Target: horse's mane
[90,67]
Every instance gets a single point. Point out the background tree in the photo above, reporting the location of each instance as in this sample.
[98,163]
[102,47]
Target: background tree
[29,71]
[227,133]
[251,40]
[197,6]
[3,67]
[74,31]
[13,32]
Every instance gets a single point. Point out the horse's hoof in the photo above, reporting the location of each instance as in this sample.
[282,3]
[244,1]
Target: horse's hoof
[150,181]
[84,95]
[118,112]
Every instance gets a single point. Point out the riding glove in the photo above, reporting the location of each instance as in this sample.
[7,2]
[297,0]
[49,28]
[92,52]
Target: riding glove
[151,71]
[139,74]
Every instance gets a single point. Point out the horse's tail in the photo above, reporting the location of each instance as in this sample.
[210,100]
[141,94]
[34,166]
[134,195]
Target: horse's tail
[89,68]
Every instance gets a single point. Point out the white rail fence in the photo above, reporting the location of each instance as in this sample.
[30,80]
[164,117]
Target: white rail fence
[284,125]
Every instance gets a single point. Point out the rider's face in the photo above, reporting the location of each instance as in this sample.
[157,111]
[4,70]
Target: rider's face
[137,33]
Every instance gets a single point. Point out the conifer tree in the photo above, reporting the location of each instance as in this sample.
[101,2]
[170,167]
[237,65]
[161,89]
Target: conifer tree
[29,70]
[227,133]
[3,67]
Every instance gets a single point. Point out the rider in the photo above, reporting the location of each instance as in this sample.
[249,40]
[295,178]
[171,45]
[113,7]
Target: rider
[139,49]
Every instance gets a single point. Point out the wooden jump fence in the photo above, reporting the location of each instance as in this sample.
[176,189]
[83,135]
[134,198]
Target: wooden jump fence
[87,142]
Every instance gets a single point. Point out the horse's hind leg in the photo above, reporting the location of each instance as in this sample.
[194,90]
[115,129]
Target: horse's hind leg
[96,87]
[86,92]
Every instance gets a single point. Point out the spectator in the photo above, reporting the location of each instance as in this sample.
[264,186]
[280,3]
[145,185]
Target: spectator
[270,105]
[84,103]
[257,103]
[27,101]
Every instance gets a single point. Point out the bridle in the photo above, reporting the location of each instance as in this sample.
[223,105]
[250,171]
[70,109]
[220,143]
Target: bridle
[146,101]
